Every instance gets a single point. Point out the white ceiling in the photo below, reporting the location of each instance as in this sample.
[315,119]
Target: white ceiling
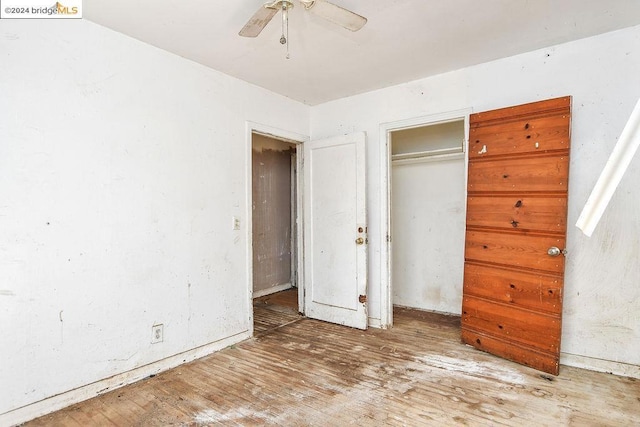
[403,40]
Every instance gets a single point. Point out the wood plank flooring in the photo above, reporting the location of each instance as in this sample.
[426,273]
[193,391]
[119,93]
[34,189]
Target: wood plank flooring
[275,310]
[311,373]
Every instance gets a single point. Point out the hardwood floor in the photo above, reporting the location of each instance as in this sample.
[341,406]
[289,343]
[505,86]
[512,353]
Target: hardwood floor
[311,373]
[275,310]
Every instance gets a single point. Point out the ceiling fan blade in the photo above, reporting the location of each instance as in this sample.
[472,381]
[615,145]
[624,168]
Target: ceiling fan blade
[258,21]
[338,15]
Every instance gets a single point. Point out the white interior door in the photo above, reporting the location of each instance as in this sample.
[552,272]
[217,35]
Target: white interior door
[335,239]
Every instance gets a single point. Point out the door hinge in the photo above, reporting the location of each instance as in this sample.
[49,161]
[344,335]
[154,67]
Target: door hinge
[362,299]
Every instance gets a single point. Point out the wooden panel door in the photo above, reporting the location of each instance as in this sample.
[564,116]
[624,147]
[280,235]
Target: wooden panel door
[516,218]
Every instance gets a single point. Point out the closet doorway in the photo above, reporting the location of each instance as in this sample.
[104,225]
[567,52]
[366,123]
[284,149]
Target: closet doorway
[426,214]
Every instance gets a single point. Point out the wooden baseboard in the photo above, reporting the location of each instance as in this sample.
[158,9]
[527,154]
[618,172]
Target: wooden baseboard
[272,290]
[68,398]
[600,365]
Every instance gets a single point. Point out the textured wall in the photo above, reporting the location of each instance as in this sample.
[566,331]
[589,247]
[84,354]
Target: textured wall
[271,217]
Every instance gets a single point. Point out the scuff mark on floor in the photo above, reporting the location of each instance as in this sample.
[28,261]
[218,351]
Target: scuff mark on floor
[489,370]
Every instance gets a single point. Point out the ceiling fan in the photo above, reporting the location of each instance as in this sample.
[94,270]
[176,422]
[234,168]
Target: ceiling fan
[329,11]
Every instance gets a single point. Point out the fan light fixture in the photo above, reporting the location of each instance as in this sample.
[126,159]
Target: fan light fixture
[284,39]
[329,11]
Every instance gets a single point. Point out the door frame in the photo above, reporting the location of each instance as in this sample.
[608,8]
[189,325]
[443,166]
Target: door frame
[386,281]
[298,140]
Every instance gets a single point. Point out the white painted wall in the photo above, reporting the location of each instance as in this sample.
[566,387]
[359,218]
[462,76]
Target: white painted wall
[121,167]
[428,222]
[602,296]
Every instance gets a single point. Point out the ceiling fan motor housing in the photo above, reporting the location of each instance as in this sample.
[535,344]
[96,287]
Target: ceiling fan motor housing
[279,4]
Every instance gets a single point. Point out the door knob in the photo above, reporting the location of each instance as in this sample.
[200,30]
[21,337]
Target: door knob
[555,251]
[359,241]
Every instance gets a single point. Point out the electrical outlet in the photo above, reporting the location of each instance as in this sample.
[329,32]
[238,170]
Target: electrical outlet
[235,223]
[157,333]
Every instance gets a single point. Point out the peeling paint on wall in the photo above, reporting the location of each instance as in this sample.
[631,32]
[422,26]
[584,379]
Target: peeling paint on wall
[272,195]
